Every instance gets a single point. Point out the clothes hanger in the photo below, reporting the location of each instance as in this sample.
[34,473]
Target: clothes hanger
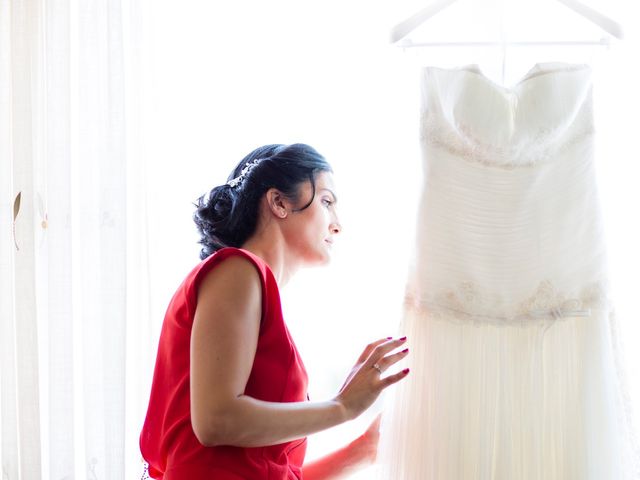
[404,28]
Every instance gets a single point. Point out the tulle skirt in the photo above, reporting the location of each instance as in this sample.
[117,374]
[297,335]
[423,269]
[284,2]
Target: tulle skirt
[537,400]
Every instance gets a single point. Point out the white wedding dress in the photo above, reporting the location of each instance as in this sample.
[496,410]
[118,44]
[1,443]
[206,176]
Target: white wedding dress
[514,361]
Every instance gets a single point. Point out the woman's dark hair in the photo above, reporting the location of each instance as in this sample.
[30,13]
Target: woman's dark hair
[228,215]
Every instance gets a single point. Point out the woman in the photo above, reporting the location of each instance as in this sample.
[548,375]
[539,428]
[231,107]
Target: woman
[229,399]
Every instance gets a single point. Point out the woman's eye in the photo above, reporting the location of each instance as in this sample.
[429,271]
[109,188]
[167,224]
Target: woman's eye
[327,202]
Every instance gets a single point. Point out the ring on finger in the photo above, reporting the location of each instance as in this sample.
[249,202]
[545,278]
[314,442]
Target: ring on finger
[377,367]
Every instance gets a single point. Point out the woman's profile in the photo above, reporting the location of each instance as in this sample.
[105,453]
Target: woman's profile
[229,394]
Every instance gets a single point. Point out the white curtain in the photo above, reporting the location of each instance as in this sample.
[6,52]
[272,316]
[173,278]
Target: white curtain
[72,270]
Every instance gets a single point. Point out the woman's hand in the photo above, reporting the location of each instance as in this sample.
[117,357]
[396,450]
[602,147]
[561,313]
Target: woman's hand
[365,382]
[343,462]
[364,449]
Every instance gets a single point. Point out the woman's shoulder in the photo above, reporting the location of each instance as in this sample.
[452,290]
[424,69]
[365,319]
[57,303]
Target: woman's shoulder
[230,266]
[232,260]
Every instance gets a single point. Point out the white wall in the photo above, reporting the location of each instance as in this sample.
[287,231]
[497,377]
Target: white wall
[228,77]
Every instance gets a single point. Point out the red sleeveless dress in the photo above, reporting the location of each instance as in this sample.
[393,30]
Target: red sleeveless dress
[167,441]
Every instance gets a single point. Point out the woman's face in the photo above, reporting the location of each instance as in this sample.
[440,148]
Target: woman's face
[311,232]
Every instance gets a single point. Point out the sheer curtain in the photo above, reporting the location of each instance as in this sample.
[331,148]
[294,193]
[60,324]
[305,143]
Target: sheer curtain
[72,223]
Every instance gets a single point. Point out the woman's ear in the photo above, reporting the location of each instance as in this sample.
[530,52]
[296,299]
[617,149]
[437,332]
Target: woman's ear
[277,203]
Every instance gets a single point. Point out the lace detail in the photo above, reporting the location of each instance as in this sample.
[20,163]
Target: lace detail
[467,303]
[460,141]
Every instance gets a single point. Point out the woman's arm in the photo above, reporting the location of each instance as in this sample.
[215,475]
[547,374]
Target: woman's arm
[223,346]
[345,461]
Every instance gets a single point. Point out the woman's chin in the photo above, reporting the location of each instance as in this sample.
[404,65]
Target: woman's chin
[319,260]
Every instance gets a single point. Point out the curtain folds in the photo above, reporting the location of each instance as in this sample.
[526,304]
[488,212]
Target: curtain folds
[68,107]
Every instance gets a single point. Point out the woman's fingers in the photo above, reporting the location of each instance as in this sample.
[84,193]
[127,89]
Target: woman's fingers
[383,348]
[369,348]
[387,361]
[391,379]
[364,384]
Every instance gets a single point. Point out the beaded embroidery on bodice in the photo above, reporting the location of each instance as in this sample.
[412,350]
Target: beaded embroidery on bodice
[468,303]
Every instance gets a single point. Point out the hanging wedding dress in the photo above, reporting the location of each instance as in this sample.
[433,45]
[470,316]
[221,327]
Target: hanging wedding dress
[514,353]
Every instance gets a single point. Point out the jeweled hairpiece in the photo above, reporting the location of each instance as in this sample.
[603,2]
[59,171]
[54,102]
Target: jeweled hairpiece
[234,182]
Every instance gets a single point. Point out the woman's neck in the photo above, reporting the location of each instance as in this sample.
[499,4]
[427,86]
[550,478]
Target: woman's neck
[272,249]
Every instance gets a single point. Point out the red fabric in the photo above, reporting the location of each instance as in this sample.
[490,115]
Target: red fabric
[167,441]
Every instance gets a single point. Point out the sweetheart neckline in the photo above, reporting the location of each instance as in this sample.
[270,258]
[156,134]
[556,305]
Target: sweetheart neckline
[538,69]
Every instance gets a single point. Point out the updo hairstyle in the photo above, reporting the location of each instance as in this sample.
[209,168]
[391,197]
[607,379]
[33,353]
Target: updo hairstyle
[228,215]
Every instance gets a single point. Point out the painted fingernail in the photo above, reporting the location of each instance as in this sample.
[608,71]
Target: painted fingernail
[389,338]
[403,338]
[405,350]
[405,371]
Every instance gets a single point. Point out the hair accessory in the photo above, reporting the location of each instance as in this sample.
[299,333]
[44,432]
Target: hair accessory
[234,182]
